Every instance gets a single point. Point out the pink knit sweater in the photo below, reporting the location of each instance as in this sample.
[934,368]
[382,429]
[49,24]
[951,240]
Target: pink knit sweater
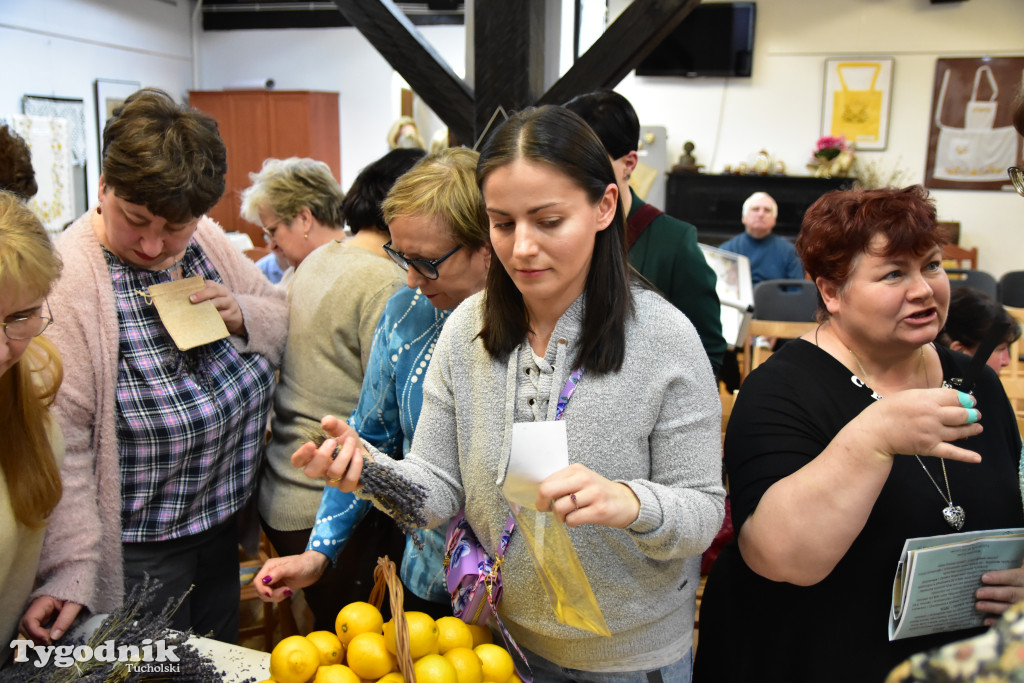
[81,559]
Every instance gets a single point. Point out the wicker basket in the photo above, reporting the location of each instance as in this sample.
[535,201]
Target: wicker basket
[385,577]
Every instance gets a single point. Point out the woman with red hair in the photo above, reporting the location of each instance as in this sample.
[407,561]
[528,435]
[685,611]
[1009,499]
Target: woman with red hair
[845,444]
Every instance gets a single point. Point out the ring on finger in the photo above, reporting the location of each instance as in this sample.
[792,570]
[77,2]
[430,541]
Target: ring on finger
[334,481]
[572,497]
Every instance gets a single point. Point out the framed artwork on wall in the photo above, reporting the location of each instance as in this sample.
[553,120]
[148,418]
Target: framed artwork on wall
[856,101]
[971,139]
[109,95]
[735,291]
[71,109]
[49,142]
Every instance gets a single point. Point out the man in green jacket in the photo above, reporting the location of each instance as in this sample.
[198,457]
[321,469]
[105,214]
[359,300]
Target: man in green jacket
[662,248]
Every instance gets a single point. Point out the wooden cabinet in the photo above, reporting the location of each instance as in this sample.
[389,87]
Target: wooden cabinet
[259,124]
[714,203]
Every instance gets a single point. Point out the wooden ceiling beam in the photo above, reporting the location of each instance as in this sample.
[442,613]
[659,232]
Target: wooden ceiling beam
[508,47]
[631,37]
[397,40]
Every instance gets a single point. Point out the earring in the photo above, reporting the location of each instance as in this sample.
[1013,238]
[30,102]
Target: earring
[306,235]
[99,210]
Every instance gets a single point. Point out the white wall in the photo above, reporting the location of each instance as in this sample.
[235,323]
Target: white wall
[779,108]
[338,59]
[57,47]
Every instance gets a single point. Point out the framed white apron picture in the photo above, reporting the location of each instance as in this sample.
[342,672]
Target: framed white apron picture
[972,140]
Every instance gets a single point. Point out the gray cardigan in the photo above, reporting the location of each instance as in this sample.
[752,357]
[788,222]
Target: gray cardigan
[654,425]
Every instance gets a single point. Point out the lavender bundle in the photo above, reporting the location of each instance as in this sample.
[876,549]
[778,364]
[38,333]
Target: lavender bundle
[402,499]
[133,625]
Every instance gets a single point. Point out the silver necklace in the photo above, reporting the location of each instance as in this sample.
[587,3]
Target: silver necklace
[953,514]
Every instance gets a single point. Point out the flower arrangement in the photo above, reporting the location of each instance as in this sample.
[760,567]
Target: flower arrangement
[833,156]
[875,174]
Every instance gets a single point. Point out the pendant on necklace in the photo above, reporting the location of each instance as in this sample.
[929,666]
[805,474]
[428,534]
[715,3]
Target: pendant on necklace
[954,516]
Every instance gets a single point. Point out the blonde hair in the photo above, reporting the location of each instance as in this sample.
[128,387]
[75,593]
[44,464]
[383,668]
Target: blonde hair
[395,138]
[443,186]
[28,268]
[287,186]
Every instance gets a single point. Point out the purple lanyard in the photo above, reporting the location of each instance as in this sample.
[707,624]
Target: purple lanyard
[525,672]
[563,400]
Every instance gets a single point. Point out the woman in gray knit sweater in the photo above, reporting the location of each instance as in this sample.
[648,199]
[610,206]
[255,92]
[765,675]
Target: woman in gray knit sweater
[642,495]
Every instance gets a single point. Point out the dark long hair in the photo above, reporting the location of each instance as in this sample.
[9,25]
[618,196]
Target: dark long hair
[558,137]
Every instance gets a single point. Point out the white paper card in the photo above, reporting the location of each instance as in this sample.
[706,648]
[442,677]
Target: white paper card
[539,449]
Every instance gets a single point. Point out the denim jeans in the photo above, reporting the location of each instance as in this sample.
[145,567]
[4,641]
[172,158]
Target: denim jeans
[545,671]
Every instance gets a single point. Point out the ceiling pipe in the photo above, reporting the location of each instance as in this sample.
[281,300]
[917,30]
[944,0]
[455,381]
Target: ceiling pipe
[196,30]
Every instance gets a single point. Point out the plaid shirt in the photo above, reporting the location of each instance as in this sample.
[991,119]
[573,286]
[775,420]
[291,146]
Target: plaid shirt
[190,424]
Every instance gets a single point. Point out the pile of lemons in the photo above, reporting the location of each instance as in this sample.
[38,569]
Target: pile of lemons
[363,649]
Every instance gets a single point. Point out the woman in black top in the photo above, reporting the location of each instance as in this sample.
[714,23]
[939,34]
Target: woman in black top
[840,448]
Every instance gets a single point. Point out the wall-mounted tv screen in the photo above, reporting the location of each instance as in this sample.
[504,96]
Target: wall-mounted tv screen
[715,39]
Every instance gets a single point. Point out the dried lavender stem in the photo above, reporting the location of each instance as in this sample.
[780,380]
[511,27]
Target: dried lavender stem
[402,499]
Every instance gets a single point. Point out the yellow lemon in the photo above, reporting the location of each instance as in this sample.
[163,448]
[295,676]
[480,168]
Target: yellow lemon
[467,665]
[481,634]
[336,673]
[393,677]
[435,669]
[330,647]
[453,632]
[294,660]
[355,618]
[368,657]
[422,635]
[497,663]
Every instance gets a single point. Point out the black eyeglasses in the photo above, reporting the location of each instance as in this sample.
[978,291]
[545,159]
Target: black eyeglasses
[424,267]
[21,329]
[1016,174]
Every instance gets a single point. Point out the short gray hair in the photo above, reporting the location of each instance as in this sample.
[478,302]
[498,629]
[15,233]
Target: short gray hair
[286,186]
[758,195]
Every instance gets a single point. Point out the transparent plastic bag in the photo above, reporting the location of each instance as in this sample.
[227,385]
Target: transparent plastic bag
[558,566]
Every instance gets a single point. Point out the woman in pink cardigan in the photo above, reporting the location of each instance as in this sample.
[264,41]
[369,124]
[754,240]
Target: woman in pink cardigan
[163,445]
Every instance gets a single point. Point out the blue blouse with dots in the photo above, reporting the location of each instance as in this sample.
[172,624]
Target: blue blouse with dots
[389,406]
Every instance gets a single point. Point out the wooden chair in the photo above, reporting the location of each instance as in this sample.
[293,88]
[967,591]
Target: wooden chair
[256,253]
[754,355]
[960,257]
[1012,375]
[275,615]
[727,399]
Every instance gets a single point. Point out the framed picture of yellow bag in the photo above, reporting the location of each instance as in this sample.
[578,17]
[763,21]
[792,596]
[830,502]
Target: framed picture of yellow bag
[856,99]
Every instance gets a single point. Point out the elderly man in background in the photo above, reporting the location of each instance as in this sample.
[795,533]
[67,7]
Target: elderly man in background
[771,257]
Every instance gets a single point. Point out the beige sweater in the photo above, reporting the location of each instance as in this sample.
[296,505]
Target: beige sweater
[21,554]
[335,301]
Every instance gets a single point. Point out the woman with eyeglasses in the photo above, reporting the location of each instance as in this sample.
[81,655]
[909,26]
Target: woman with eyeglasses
[439,236]
[336,297]
[297,203]
[163,444]
[30,373]
[565,335]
